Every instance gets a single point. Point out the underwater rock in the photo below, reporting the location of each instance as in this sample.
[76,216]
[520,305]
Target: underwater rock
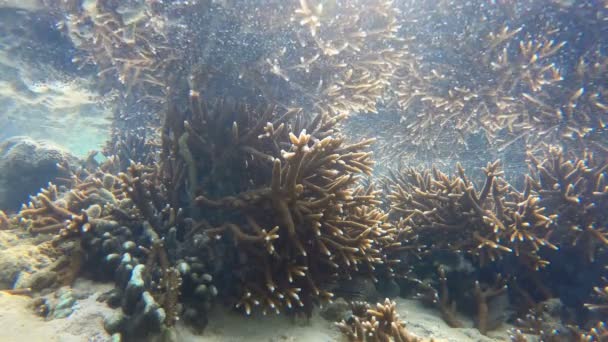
[112,298]
[336,311]
[27,165]
[64,306]
[388,288]
[115,322]
[40,280]
[11,266]
[357,288]
[23,262]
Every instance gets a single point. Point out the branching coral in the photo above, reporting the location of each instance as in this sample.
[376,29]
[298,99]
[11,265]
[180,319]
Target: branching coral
[558,213]
[341,58]
[600,331]
[381,323]
[495,70]
[127,44]
[89,201]
[534,327]
[292,207]
[440,299]
[486,223]
[117,223]
[323,228]
[482,297]
[576,189]
[275,183]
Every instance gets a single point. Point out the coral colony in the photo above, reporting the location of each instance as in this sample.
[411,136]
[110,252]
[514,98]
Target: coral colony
[245,177]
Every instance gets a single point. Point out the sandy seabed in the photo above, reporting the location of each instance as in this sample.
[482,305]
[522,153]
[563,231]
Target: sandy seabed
[18,322]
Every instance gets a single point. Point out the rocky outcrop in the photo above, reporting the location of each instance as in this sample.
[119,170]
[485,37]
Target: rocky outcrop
[27,165]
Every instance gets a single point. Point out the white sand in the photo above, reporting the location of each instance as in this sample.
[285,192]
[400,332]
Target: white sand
[19,323]
[230,326]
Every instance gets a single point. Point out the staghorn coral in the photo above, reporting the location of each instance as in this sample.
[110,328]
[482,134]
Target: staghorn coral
[120,227]
[603,294]
[381,323]
[575,188]
[324,229]
[482,297]
[600,331]
[278,189]
[533,325]
[535,328]
[177,258]
[487,223]
[126,44]
[331,58]
[297,217]
[125,41]
[516,73]
[597,333]
[526,233]
[89,201]
[440,299]
[340,57]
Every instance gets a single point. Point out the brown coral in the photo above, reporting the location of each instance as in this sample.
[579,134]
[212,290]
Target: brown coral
[343,58]
[574,189]
[377,324]
[487,71]
[485,223]
[289,202]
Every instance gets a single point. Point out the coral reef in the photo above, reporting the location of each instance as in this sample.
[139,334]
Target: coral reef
[526,236]
[231,174]
[342,58]
[27,165]
[293,207]
[515,73]
[486,223]
[381,323]
[109,228]
[576,189]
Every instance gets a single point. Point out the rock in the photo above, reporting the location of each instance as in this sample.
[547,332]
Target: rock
[335,311]
[112,298]
[553,307]
[64,305]
[388,288]
[358,288]
[40,280]
[26,166]
[114,323]
[134,289]
[11,266]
